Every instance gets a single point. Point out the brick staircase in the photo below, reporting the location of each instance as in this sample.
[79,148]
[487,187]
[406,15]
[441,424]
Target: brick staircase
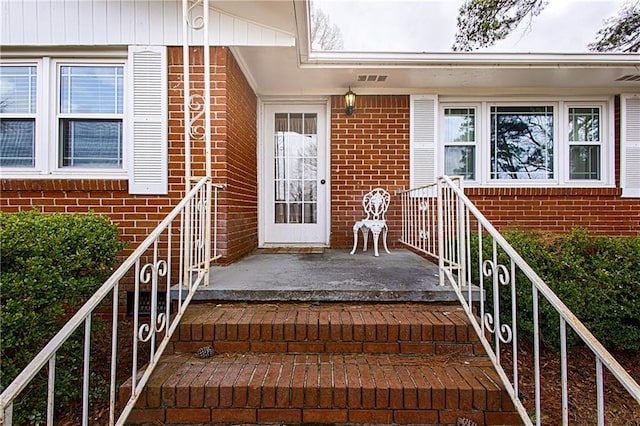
[289,363]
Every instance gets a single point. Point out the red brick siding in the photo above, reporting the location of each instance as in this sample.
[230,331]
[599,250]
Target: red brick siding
[137,215]
[368,149]
[558,210]
[241,221]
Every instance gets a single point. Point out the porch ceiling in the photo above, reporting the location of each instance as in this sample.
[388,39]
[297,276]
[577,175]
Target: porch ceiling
[280,71]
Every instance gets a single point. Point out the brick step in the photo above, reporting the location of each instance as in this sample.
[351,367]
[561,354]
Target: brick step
[326,328]
[259,388]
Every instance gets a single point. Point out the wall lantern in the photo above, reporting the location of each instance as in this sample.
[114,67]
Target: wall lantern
[349,102]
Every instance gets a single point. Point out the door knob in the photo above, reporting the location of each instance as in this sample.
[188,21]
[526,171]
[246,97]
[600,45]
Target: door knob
[322,181]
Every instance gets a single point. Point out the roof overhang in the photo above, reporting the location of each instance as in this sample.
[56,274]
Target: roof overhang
[281,71]
[287,71]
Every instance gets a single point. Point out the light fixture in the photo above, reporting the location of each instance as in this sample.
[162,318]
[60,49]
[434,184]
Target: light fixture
[349,101]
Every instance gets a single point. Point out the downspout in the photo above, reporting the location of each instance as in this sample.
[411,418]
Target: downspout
[207,137]
[186,97]
[185,259]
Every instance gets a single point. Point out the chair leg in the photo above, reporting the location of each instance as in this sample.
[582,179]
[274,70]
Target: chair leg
[355,238]
[384,239]
[365,237]
[376,236]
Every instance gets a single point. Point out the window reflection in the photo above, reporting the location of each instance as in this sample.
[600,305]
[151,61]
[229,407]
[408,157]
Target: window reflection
[522,142]
[584,142]
[460,141]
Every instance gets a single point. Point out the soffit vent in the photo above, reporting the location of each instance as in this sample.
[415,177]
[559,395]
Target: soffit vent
[372,77]
[629,77]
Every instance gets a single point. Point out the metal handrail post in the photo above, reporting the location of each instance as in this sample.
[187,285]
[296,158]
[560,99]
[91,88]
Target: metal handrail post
[440,233]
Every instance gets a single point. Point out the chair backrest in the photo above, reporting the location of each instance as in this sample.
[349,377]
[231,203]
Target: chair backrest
[375,203]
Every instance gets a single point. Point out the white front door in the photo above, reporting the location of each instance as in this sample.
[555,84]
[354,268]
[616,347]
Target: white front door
[294,176]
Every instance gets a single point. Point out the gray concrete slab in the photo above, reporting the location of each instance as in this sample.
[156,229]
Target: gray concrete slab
[333,275]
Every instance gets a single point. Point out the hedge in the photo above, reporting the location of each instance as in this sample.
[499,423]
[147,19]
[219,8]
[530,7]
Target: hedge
[51,263]
[597,277]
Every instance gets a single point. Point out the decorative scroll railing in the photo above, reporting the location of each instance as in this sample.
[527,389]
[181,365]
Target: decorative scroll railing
[475,259]
[178,251]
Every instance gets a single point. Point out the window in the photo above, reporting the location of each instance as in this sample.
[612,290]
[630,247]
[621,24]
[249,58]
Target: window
[521,142]
[97,118]
[90,116]
[17,116]
[584,143]
[460,142]
[510,143]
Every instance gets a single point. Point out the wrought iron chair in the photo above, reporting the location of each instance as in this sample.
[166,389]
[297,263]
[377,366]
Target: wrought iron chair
[375,203]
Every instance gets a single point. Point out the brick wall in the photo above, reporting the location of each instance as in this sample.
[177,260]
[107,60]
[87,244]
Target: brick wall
[368,149]
[558,210]
[241,216]
[136,215]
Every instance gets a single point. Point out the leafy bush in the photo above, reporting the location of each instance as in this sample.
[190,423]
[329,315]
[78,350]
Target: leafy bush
[597,277]
[51,263]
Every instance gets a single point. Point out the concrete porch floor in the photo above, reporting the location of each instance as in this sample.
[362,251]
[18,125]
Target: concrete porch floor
[333,275]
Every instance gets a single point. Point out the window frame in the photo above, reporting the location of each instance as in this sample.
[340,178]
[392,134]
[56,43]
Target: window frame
[48,145]
[561,145]
[478,129]
[60,116]
[487,139]
[604,135]
[38,125]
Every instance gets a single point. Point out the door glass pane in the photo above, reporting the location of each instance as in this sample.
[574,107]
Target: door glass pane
[310,190]
[281,213]
[310,212]
[295,167]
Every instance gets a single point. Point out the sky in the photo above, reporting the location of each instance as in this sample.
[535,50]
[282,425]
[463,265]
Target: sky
[565,26]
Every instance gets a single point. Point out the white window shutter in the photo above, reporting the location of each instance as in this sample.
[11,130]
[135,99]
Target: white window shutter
[423,140]
[630,145]
[148,173]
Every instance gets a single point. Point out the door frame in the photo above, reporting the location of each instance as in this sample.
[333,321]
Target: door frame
[264,144]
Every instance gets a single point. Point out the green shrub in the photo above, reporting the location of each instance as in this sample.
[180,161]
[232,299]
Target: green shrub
[51,263]
[597,277]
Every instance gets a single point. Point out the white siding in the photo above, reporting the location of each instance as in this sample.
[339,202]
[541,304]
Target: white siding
[121,22]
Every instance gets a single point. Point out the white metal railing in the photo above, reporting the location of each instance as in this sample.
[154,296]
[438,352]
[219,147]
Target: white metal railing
[440,221]
[183,240]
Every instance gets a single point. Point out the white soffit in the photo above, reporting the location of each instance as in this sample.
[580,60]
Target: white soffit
[278,71]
